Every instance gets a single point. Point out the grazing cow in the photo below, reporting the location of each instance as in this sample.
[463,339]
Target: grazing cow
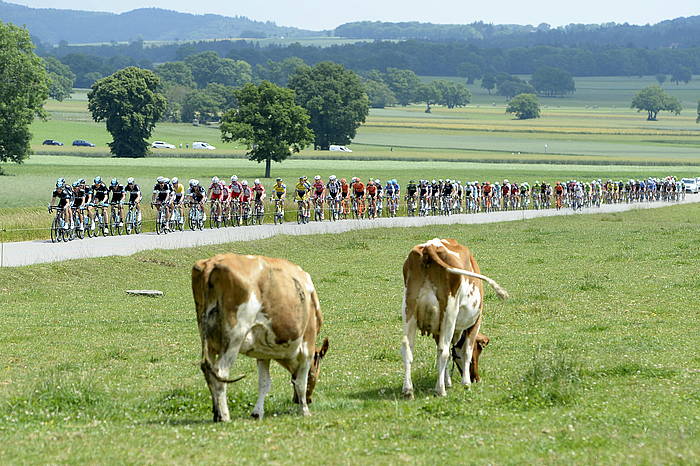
[443,297]
[261,307]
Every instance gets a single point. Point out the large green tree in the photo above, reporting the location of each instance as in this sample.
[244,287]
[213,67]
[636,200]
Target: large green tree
[428,93]
[61,79]
[130,103]
[176,73]
[653,100]
[379,94]
[404,84]
[553,82]
[453,94]
[335,99]
[524,106]
[269,122]
[682,74]
[23,90]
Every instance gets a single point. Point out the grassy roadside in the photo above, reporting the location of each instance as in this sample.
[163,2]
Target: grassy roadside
[594,360]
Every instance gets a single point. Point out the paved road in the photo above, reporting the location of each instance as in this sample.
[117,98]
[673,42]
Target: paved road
[35,252]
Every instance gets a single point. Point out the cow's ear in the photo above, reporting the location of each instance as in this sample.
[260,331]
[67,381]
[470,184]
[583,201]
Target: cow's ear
[324,348]
[482,342]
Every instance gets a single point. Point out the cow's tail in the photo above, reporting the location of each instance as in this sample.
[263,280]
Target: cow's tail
[503,294]
[208,369]
[432,253]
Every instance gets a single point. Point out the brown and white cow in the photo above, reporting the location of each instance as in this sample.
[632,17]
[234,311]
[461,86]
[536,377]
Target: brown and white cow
[263,308]
[443,297]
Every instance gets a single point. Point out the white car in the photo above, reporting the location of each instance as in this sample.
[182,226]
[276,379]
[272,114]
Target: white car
[691,185]
[162,145]
[202,145]
[339,149]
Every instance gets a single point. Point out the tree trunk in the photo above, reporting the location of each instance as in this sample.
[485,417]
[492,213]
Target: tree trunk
[268,161]
[427,108]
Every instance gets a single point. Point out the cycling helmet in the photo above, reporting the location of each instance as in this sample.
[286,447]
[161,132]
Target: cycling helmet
[175,180]
[278,179]
[394,181]
[81,181]
[192,182]
[434,181]
[234,178]
[97,180]
[215,179]
[257,181]
[301,178]
[305,177]
[59,183]
[76,184]
[244,182]
[160,179]
[343,180]
[317,177]
[195,182]
[377,181]
[130,181]
[166,180]
[332,178]
[115,181]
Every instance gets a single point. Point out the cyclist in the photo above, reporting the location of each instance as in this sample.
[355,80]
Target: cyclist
[358,194]
[234,190]
[134,196]
[333,191]
[447,196]
[178,196]
[259,191]
[380,196]
[246,194]
[78,203]
[279,190]
[196,194]
[372,196]
[411,189]
[161,195]
[216,193]
[117,191]
[390,194]
[64,196]
[317,190]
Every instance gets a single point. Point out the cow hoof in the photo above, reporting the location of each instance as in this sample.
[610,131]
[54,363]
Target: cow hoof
[408,394]
[257,416]
[440,392]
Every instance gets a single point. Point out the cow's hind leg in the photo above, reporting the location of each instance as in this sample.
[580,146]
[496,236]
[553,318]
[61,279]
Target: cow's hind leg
[301,376]
[407,346]
[443,344]
[264,383]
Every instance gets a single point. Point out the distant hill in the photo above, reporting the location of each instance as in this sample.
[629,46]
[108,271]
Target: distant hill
[152,24]
[679,32]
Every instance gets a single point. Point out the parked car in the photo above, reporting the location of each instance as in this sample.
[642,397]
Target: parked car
[202,145]
[691,185]
[339,148]
[52,142]
[83,143]
[162,145]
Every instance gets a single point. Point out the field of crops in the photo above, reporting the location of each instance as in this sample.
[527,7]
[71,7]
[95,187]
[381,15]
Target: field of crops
[595,125]
[593,360]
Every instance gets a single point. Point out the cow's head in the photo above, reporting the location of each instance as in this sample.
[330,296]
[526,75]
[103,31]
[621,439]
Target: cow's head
[315,369]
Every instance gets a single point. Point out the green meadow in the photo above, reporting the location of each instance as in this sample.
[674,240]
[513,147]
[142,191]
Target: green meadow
[592,361]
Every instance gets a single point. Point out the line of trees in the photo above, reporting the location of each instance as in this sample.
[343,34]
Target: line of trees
[456,58]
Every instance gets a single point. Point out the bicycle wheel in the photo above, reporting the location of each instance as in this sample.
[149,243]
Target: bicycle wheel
[112,223]
[80,233]
[56,229]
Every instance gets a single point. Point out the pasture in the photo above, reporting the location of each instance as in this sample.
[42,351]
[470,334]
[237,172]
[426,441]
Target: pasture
[593,360]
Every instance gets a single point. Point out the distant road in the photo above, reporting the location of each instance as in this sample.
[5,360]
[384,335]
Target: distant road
[36,252]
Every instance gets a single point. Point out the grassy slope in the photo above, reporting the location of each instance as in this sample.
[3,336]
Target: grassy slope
[591,361]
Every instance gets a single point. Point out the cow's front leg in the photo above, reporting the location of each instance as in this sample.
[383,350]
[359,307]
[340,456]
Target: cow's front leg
[407,346]
[301,376]
[443,344]
[264,383]
[468,353]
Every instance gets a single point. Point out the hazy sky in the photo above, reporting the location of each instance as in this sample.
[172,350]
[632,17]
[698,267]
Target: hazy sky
[327,14]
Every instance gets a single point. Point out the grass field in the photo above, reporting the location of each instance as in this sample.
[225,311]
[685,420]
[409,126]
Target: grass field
[23,213]
[593,360]
[595,125]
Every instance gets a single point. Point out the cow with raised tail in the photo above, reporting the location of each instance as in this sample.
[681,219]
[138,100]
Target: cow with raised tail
[263,308]
[443,297]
